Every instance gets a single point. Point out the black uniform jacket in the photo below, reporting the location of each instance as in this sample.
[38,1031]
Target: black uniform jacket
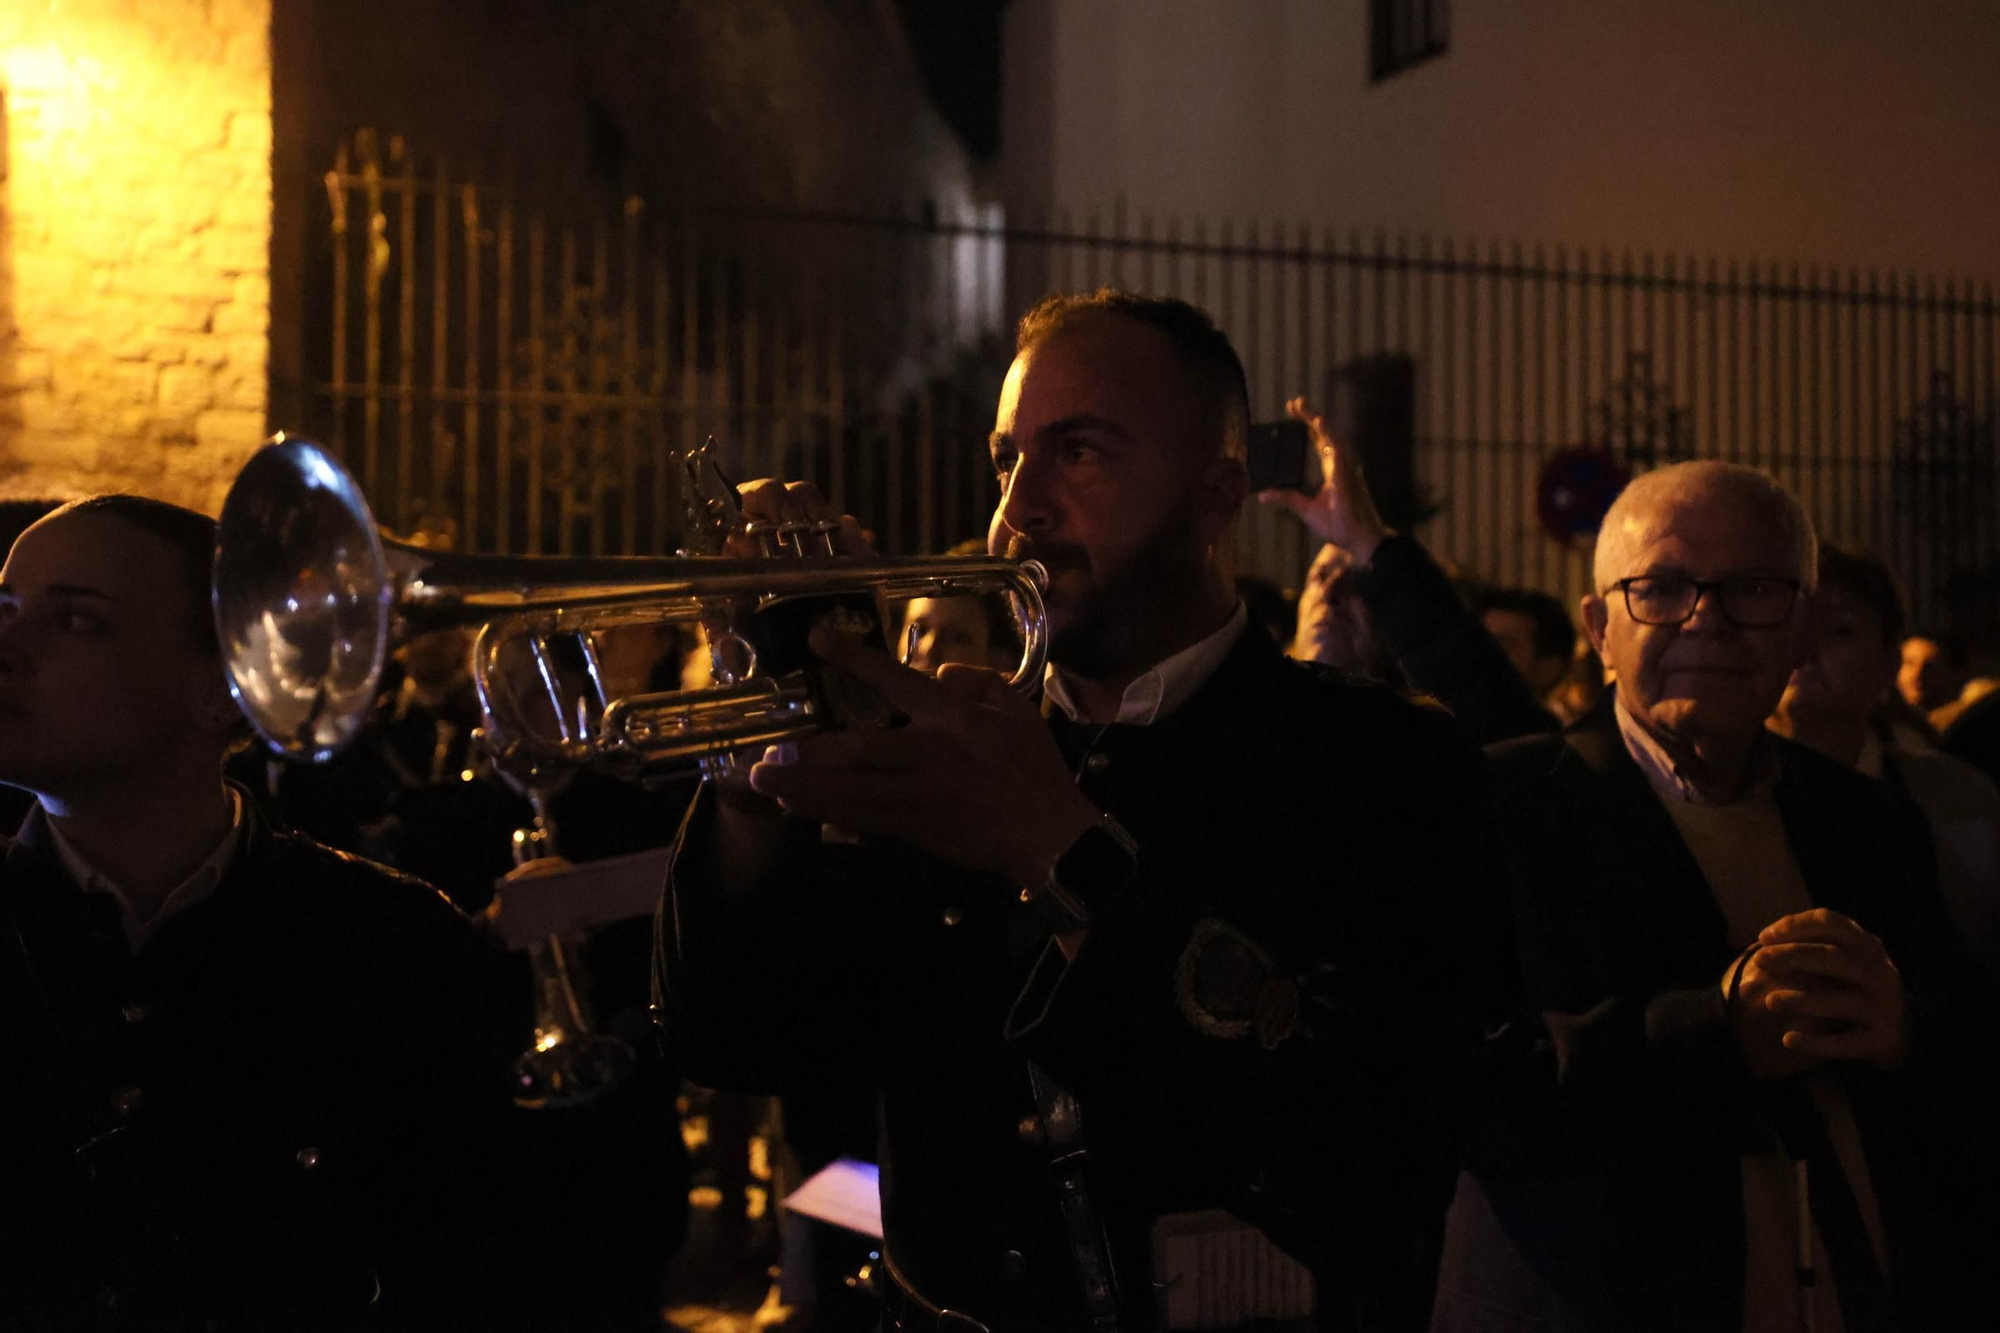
[1605,1190]
[280,1114]
[1271,1019]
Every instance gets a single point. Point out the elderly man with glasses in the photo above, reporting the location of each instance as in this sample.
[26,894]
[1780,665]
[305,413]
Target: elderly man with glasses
[1745,1088]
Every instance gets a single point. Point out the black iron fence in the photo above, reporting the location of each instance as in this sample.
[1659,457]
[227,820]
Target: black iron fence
[521,378]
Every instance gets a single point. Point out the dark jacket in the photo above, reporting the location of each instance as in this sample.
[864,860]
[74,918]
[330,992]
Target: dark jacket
[1604,1191]
[280,1114]
[1298,836]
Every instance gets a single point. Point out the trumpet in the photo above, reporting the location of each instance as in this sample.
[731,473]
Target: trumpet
[309,600]
[568,1062]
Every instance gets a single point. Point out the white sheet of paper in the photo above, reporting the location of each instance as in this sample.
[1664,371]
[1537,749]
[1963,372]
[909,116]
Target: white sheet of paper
[1214,1271]
[595,893]
[846,1193]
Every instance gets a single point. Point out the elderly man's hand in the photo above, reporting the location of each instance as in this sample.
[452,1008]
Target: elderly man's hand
[1838,990]
[974,778]
[1342,512]
[1819,987]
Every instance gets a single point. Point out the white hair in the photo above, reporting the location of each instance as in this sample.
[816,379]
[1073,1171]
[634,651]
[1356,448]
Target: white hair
[1632,513]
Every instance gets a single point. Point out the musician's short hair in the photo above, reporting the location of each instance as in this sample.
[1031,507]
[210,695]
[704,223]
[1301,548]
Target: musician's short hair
[1704,479]
[189,534]
[1202,347]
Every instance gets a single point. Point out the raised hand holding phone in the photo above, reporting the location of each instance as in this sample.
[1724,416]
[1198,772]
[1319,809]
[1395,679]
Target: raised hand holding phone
[1339,510]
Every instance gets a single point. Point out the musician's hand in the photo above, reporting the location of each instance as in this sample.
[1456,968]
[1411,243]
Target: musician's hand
[974,779]
[1341,512]
[791,504]
[1835,989]
[768,500]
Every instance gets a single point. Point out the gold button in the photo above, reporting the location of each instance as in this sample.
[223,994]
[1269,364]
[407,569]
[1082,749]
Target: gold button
[127,1100]
[308,1158]
[952,916]
[1029,1131]
[134,1012]
[1096,762]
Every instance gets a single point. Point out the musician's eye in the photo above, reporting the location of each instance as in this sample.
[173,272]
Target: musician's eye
[1004,456]
[81,622]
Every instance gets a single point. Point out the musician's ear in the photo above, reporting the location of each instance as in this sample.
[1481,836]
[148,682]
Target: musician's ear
[1224,486]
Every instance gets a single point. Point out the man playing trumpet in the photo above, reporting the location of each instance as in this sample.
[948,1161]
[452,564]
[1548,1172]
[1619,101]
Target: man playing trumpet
[1188,960]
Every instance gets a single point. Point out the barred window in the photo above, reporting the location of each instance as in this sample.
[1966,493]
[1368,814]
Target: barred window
[1403,33]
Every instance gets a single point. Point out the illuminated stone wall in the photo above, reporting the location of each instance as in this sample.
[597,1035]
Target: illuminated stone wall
[135,220]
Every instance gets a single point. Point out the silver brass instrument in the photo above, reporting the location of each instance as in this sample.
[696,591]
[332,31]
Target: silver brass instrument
[568,1062]
[309,599]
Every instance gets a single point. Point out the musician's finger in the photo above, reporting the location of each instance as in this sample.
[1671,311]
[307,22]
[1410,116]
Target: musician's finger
[795,784]
[974,684]
[864,750]
[910,692]
[806,504]
[762,500]
[851,540]
[876,805]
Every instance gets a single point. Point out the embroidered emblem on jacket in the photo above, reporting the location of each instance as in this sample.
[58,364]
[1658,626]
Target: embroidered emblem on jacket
[1228,987]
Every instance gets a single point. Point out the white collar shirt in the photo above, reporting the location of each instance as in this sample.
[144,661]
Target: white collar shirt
[1165,687]
[1665,775]
[189,892]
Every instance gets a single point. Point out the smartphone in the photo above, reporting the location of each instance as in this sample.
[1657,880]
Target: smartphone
[1281,458]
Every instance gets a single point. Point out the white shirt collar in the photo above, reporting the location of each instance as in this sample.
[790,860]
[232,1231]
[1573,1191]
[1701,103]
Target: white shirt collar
[190,891]
[1665,775]
[1164,688]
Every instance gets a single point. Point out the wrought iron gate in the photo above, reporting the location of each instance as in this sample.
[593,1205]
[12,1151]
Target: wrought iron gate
[519,378]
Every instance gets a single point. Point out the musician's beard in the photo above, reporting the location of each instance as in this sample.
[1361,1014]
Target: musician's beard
[1109,620]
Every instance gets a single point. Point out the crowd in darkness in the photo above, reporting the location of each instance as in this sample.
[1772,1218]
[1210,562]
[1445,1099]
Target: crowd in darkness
[1403,954]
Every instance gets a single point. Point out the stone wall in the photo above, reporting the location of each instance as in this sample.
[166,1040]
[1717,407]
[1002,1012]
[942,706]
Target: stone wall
[135,219]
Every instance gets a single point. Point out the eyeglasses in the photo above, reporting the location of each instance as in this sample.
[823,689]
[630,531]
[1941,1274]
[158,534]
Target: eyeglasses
[1748,601]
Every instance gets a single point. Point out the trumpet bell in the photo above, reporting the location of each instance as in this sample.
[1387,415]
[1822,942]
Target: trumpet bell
[302,599]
